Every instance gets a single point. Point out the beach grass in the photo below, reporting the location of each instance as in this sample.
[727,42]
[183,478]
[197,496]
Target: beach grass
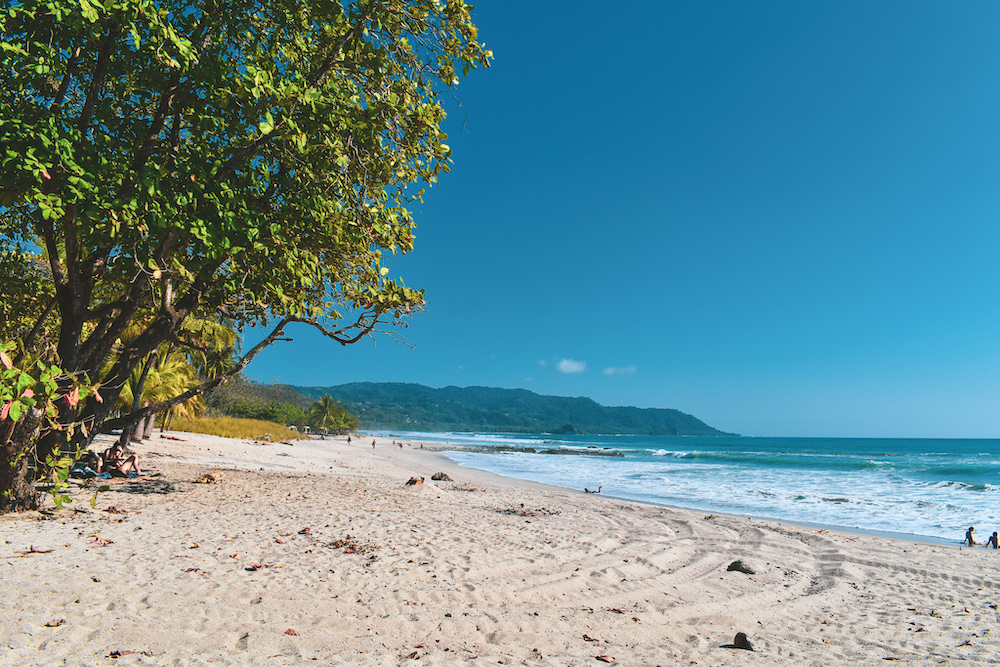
[238,427]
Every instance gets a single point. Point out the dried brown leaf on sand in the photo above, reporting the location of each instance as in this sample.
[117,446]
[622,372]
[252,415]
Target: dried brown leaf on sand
[35,550]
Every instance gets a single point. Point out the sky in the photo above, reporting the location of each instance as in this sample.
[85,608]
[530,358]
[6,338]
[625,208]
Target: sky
[782,218]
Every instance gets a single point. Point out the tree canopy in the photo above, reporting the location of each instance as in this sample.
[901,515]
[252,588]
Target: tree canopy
[235,159]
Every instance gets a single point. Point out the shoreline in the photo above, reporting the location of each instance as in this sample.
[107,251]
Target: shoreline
[321,551]
[906,537]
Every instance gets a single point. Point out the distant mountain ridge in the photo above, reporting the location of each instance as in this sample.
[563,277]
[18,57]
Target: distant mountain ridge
[415,407]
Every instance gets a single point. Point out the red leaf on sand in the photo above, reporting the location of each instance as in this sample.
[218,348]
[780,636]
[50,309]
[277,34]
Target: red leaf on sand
[279,540]
[294,633]
[588,638]
[305,531]
[413,656]
[604,658]
[255,566]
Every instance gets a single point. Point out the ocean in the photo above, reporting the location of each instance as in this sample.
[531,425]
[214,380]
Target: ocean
[912,488]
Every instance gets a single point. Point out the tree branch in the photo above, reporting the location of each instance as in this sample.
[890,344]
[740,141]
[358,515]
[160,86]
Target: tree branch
[56,105]
[30,338]
[100,71]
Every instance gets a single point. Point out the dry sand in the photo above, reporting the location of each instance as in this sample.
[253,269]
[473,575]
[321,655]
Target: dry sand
[319,553]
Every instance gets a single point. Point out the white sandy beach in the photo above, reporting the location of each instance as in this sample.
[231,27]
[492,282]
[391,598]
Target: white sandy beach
[319,553]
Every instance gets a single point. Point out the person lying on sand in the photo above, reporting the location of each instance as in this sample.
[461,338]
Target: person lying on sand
[969,539]
[994,541]
[118,462]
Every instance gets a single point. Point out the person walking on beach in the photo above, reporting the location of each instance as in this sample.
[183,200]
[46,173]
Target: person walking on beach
[969,538]
[994,541]
[373,444]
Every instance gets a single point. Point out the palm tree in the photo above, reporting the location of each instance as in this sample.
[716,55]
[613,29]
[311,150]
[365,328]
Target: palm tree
[330,414]
[172,376]
[215,344]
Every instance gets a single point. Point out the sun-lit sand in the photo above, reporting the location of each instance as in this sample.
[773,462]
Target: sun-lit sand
[318,552]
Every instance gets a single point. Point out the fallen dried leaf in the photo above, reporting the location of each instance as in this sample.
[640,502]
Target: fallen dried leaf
[305,531]
[34,550]
[588,638]
[294,633]
[604,658]
[413,656]
[279,540]
[56,623]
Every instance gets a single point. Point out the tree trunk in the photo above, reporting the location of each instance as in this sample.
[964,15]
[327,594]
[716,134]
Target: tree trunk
[137,429]
[16,458]
[147,433]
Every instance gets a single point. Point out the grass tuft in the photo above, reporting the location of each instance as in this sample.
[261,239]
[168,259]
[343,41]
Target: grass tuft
[237,427]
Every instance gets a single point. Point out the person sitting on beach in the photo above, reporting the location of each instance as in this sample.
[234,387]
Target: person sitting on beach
[969,538]
[994,541]
[120,463]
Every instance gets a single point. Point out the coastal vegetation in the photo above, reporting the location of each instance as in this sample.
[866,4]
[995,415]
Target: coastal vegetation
[238,427]
[278,403]
[174,166]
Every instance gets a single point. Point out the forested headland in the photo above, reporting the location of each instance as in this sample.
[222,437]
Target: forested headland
[416,407]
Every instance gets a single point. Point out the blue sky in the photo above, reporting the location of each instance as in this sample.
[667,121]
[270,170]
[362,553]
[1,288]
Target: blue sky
[779,217]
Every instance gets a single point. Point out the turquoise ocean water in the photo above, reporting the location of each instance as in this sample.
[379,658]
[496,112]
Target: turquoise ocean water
[925,488]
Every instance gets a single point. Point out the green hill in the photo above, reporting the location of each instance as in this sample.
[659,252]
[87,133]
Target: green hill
[415,407]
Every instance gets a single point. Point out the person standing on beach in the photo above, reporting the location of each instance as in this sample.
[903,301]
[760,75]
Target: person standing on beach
[969,537]
[373,444]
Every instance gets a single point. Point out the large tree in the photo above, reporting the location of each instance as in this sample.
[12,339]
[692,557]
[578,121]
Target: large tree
[216,158]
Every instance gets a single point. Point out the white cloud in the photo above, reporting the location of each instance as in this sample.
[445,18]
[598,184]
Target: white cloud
[627,370]
[571,366]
